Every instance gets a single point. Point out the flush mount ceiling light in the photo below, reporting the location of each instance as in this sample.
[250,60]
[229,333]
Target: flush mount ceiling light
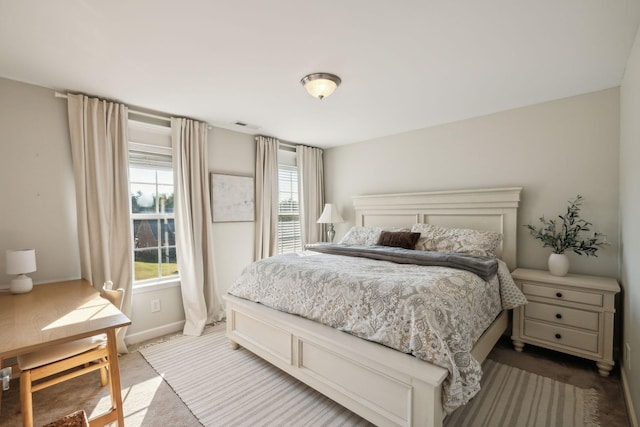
[320,85]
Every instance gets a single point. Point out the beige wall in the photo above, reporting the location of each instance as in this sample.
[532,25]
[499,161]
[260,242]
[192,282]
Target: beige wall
[629,222]
[554,150]
[38,208]
[231,153]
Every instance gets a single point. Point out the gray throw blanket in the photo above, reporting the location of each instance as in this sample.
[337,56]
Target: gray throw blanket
[484,267]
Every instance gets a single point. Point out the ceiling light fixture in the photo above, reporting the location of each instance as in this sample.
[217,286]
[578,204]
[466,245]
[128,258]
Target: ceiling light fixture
[320,85]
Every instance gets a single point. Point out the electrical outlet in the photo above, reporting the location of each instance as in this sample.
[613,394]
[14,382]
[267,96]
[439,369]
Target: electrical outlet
[5,374]
[627,356]
[155,305]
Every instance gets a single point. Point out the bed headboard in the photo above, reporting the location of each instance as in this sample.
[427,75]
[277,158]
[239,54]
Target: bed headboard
[493,209]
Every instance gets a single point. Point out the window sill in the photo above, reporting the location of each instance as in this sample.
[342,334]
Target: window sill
[156,286]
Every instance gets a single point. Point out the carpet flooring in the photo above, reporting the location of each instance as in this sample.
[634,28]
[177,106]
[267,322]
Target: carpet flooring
[150,401]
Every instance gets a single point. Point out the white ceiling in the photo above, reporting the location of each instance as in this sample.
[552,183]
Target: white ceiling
[404,64]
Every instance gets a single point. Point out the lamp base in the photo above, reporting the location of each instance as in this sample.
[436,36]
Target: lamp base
[330,233]
[21,285]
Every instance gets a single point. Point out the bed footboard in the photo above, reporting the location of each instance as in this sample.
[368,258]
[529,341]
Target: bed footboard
[382,385]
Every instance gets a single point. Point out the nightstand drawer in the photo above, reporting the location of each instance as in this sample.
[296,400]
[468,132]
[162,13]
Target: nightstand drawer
[562,315]
[558,335]
[533,289]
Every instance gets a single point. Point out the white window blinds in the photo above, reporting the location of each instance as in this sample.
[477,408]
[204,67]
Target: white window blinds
[289,231]
[149,146]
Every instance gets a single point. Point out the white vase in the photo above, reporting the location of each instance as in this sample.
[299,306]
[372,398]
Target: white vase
[558,264]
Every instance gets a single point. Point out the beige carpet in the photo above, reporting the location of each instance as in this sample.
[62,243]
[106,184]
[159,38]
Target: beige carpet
[223,387]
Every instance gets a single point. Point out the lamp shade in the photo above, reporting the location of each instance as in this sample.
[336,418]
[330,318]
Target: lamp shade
[21,261]
[330,215]
[320,85]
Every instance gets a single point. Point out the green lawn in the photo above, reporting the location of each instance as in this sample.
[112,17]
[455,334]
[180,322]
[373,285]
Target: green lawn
[149,270]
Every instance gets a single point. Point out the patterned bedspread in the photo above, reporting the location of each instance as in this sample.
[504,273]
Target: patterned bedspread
[433,313]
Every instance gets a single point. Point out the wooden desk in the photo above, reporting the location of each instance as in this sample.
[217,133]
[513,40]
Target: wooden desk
[54,313]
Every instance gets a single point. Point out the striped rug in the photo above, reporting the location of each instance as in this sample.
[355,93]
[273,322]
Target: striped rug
[516,398]
[224,387]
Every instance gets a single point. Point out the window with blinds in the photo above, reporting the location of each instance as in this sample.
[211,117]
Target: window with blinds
[289,231]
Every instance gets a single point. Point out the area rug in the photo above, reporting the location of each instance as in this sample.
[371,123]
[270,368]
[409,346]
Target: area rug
[225,387]
[516,398]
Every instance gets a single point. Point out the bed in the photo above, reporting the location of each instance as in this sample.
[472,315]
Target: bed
[384,386]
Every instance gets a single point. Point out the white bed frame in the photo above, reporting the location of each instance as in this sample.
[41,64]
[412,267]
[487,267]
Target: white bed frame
[384,386]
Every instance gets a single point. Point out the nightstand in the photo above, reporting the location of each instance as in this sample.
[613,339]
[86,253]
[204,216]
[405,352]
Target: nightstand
[573,314]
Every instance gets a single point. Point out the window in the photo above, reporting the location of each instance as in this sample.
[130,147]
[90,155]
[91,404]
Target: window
[152,214]
[154,239]
[289,231]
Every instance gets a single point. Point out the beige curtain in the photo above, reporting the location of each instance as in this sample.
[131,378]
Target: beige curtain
[266,237]
[200,298]
[99,149]
[311,181]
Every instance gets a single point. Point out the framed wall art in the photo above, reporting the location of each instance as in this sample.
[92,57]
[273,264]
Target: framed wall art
[232,198]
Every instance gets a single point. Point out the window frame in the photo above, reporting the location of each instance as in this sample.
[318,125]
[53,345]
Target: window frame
[159,217]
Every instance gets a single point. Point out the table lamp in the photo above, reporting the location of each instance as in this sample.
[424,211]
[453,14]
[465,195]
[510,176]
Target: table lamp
[20,262]
[330,215]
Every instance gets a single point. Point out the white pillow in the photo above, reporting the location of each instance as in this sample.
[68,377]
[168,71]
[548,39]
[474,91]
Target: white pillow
[365,236]
[459,240]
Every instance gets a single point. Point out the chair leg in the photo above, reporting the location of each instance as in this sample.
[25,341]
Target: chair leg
[104,377]
[26,403]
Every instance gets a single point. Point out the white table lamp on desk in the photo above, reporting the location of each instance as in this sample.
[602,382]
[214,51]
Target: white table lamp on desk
[20,262]
[330,215]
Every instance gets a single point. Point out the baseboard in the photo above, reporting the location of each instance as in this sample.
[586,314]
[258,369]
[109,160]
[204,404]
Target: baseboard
[149,334]
[627,397]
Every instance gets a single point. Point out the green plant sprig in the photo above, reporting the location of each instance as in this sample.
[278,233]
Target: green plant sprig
[565,234]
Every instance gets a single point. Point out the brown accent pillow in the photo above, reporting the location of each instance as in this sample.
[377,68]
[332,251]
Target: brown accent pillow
[398,239]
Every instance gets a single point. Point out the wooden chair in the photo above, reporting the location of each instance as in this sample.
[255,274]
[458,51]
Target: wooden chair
[49,366]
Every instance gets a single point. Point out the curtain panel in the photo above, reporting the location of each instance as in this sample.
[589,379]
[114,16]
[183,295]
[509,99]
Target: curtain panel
[311,177]
[266,237]
[99,150]
[193,223]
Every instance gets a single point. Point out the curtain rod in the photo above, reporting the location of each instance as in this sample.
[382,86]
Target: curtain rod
[280,143]
[290,145]
[295,146]
[139,113]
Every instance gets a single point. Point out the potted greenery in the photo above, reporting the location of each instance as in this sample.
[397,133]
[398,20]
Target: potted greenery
[564,235]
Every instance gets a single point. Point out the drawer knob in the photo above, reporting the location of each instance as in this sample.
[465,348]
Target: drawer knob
[558,336]
[558,316]
[559,294]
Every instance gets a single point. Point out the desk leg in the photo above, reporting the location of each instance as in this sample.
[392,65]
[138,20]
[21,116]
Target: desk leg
[114,376]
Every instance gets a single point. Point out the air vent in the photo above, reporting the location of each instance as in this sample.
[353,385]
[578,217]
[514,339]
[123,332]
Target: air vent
[246,125]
